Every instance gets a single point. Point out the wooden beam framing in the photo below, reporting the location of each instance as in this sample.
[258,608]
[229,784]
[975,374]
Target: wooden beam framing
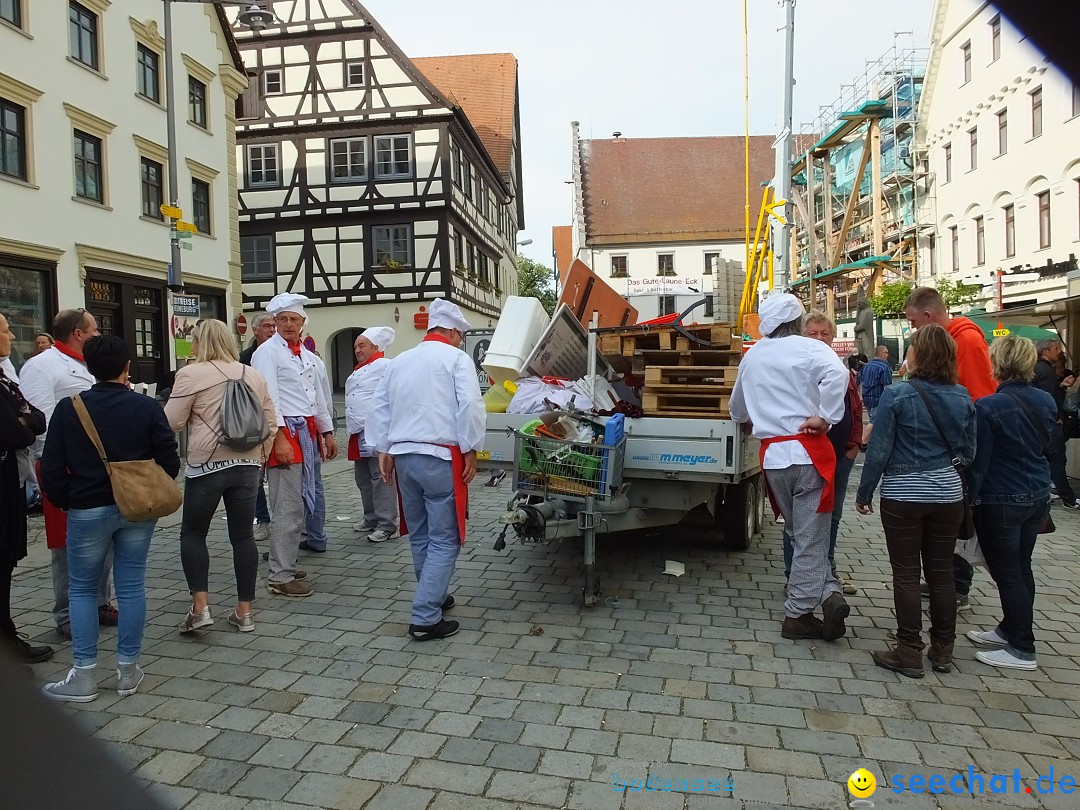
[841,238]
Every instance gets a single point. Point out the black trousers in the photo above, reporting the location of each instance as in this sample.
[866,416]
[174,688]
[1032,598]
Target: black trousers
[1055,454]
[7,625]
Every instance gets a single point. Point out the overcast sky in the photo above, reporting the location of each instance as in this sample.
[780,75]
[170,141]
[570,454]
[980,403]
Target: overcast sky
[649,69]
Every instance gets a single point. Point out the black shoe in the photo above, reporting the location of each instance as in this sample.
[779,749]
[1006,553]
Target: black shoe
[1074,505]
[266,556]
[833,612]
[429,632]
[449,603]
[305,547]
[29,653]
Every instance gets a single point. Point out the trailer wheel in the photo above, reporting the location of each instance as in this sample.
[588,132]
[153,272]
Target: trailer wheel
[741,518]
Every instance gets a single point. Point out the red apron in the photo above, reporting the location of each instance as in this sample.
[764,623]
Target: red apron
[822,456]
[298,453]
[461,493]
[55,517]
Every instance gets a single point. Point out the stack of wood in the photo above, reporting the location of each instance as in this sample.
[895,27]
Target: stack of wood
[680,378]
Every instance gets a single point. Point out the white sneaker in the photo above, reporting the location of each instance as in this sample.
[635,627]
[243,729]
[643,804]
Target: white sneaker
[379,536]
[1005,660]
[987,638]
[262,532]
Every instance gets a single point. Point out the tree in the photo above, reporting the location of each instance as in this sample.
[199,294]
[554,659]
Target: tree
[956,294]
[535,281]
[889,303]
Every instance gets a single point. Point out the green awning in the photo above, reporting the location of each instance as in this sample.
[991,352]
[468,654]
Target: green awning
[870,262]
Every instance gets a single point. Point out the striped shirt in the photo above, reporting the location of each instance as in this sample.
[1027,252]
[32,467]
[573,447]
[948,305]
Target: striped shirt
[931,486]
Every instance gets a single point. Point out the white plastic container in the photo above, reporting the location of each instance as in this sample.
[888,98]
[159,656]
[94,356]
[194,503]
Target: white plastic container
[520,326]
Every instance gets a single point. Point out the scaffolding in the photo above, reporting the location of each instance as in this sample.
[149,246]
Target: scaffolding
[856,188]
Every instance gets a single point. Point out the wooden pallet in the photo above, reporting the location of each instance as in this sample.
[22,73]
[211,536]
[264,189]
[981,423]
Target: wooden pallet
[714,358]
[694,403]
[625,342]
[703,376]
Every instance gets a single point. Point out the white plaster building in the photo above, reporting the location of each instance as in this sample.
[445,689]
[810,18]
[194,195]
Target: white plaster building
[1000,127]
[658,218]
[83,167]
[372,182]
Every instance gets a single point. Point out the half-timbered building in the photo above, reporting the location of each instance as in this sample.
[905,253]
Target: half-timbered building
[372,182]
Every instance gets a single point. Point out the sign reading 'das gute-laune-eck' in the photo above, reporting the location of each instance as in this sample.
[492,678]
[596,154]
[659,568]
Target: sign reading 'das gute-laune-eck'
[664,285]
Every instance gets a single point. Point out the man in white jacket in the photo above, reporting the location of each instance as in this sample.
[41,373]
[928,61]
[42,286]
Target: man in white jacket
[47,378]
[427,422]
[300,390]
[378,497]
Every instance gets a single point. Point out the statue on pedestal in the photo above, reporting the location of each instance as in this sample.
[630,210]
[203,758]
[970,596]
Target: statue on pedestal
[864,328]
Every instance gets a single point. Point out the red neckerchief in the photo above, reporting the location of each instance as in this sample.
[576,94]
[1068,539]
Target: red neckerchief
[295,348]
[372,359]
[63,349]
[437,339]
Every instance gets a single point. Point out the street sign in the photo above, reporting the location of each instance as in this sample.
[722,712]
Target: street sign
[1002,333]
[241,324]
[187,227]
[185,245]
[186,305]
[180,234]
[170,211]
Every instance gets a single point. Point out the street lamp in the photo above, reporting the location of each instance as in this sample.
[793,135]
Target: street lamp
[255,18]
[525,242]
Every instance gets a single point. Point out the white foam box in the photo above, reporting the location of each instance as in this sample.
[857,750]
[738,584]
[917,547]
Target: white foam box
[522,322]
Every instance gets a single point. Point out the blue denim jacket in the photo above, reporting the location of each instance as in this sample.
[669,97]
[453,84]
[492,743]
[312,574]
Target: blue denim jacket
[1010,466]
[905,439]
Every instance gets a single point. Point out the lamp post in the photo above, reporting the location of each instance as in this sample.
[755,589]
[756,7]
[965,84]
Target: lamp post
[254,18]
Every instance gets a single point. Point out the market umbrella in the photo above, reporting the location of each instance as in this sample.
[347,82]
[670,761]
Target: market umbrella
[989,324]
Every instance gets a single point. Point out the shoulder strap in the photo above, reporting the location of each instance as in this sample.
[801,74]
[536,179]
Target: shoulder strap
[1043,435]
[91,431]
[956,460]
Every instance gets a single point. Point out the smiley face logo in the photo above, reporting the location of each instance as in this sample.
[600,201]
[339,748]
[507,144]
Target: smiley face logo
[862,784]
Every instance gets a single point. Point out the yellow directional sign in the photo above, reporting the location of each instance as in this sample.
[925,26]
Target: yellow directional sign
[186,226]
[1002,333]
[771,209]
[170,211]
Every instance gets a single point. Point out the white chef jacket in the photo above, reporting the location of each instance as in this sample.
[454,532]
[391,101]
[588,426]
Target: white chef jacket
[49,377]
[429,396]
[9,369]
[359,390]
[782,382]
[298,385]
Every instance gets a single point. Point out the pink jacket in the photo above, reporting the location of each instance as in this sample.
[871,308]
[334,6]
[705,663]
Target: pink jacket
[195,403]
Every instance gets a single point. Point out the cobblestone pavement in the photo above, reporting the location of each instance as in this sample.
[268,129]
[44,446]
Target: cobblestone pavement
[542,703]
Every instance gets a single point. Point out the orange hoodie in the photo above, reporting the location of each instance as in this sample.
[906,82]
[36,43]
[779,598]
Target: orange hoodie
[972,358]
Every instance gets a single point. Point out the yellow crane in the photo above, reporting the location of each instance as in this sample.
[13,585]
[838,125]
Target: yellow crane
[759,254]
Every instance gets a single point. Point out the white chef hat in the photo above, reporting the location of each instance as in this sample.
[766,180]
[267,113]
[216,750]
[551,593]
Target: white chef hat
[447,315]
[288,302]
[777,309]
[380,336]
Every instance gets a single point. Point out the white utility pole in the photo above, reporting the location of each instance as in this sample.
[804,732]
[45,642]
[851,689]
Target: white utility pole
[782,147]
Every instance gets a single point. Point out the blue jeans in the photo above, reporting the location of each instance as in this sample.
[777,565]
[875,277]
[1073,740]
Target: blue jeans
[262,509]
[91,533]
[1007,535]
[315,522]
[843,473]
[427,497]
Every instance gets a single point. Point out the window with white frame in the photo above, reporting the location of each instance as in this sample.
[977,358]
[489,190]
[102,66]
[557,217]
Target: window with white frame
[973,149]
[665,305]
[1010,231]
[257,257]
[1036,112]
[980,241]
[393,157]
[965,59]
[1044,219]
[995,39]
[11,11]
[263,168]
[619,268]
[947,154]
[392,245]
[354,74]
[954,247]
[273,82]
[665,264]
[1003,131]
[348,159]
[147,73]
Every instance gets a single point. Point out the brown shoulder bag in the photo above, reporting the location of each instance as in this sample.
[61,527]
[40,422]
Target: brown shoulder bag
[142,489]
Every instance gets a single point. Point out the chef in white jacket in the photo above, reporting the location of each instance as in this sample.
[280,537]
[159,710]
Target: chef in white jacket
[427,422]
[378,497]
[300,391]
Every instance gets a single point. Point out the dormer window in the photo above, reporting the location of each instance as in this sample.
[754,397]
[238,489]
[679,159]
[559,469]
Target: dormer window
[273,82]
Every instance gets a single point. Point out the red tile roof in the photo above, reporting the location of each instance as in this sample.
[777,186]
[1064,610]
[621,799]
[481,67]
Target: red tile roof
[562,242]
[485,87]
[640,190]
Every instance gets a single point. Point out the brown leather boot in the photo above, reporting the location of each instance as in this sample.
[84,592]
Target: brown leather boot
[806,626]
[903,659]
[940,656]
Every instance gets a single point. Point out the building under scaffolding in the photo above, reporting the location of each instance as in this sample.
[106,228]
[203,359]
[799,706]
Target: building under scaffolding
[856,190]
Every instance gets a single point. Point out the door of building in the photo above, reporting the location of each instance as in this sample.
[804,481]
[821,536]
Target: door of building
[134,309]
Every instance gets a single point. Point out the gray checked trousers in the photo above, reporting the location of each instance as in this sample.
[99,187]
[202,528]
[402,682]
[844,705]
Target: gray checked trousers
[287,503]
[797,491]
